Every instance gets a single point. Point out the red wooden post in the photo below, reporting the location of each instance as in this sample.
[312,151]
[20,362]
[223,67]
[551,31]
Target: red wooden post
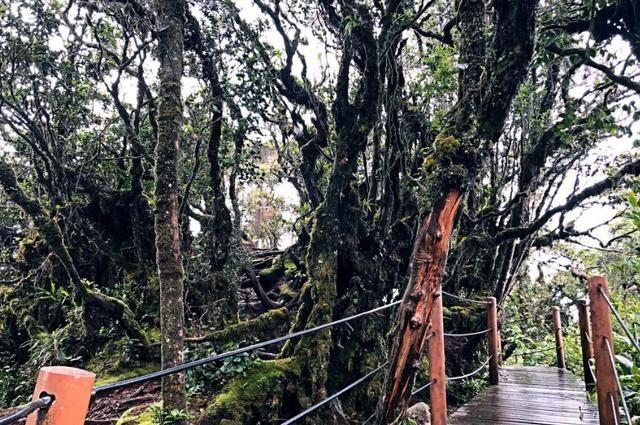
[557,331]
[438,390]
[494,341]
[71,391]
[585,343]
[607,390]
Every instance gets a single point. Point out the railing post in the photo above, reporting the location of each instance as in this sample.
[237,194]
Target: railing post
[494,341]
[585,343]
[437,391]
[557,332]
[605,375]
[70,389]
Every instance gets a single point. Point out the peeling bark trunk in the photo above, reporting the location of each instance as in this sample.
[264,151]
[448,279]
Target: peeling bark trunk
[170,16]
[427,266]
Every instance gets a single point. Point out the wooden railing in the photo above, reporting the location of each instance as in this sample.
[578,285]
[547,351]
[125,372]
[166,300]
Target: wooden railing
[438,379]
[597,345]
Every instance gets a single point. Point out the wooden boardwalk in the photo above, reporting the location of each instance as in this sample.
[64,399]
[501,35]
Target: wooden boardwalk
[530,395]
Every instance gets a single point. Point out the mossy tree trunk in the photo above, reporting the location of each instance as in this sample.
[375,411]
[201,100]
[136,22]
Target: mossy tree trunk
[334,238]
[170,23]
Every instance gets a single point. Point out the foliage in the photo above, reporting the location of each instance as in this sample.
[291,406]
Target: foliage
[173,417]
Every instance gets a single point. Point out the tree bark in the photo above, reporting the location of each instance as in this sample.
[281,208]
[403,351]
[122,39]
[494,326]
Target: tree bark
[170,26]
[427,266]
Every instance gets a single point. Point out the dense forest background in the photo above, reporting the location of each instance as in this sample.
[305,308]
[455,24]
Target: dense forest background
[315,137]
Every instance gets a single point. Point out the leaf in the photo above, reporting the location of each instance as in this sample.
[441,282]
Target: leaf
[625,362]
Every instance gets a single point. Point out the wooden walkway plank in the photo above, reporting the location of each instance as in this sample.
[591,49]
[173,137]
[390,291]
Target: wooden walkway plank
[530,395]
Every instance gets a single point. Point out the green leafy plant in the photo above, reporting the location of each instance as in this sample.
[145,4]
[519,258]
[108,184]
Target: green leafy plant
[173,417]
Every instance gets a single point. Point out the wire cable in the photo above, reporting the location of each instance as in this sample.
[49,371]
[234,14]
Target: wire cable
[26,410]
[469,300]
[335,395]
[424,387]
[593,374]
[216,357]
[614,408]
[625,408]
[634,341]
[470,374]
[486,331]
[526,353]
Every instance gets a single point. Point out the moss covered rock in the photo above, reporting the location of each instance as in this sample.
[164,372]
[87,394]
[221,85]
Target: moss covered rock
[255,396]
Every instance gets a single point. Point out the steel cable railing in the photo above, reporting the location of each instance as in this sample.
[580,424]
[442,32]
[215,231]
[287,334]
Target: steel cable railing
[45,401]
[216,357]
[26,410]
[470,374]
[615,312]
[424,387]
[593,374]
[468,334]
[614,408]
[468,300]
[335,395]
[527,353]
[612,360]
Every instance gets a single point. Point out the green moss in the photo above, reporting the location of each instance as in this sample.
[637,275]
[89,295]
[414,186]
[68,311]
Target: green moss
[254,328]
[154,335]
[289,264]
[446,144]
[429,163]
[271,275]
[287,291]
[120,374]
[255,393]
[144,417]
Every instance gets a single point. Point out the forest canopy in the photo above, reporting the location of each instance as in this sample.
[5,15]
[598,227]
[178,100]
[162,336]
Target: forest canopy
[180,178]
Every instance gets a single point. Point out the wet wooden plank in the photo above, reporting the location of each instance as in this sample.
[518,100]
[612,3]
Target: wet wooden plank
[530,395]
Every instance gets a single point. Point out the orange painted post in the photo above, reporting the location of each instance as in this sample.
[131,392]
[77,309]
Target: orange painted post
[607,390]
[438,390]
[557,332]
[585,344]
[71,391]
[494,341]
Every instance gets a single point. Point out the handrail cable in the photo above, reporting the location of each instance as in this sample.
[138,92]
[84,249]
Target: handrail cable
[586,335]
[424,387]
[525,353]
[634,341]
[470,374]
[625,408]
[216,357]
[612,401]
[593,374]
[335,395]
[486,331]
[26,410]
[469,300]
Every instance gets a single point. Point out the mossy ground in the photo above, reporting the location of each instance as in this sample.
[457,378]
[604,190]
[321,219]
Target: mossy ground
[137,416]
[120,374]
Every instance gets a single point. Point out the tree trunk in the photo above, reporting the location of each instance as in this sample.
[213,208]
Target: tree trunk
[168,251]
[427,266]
